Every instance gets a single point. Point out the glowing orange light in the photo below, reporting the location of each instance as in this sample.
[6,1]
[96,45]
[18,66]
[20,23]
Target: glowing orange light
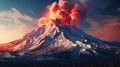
[63,13]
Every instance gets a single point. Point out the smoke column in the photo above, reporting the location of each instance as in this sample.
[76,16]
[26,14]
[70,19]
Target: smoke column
[63,13]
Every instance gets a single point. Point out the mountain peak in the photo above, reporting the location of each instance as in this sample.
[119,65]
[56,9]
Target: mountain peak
[52,39]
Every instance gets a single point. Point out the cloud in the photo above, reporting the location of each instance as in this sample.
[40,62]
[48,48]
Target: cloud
[64,13]
[84,2]
[119,9]
[2,26]
[95,6]
[99,20]
[105,27]
[14,25]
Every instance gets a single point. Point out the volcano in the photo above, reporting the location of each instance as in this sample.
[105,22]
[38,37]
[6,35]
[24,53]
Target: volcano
[64,43]
[58,39]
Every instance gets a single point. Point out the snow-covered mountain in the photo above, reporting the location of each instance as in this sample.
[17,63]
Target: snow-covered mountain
[56,42]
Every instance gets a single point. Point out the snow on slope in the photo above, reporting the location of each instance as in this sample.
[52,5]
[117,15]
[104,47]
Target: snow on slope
[52,39]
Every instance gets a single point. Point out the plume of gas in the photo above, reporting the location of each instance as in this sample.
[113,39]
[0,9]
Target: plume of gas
[63,13]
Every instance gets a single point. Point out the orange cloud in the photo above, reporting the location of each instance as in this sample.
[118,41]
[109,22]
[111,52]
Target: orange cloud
[106,31]
[64,13]
[14,25]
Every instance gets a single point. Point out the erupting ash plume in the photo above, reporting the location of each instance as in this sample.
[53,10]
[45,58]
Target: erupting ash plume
[63,13]
[51,42]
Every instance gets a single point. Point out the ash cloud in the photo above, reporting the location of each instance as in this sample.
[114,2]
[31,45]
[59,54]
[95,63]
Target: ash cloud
[64,13]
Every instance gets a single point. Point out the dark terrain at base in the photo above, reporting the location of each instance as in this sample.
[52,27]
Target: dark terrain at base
[112,63]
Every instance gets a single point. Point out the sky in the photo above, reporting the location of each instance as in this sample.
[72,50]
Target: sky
[18,17]
[30,7]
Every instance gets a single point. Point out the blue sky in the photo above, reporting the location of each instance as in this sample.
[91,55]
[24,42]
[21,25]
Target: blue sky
[33,8]
[19,17]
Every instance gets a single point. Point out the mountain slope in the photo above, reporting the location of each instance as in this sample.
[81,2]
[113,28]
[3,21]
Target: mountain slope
[52,40]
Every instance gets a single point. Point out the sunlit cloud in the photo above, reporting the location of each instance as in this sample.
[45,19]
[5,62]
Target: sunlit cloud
[14,25]
[106,28]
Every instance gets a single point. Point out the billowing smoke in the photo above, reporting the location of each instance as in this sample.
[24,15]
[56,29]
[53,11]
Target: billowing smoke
[63,13]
